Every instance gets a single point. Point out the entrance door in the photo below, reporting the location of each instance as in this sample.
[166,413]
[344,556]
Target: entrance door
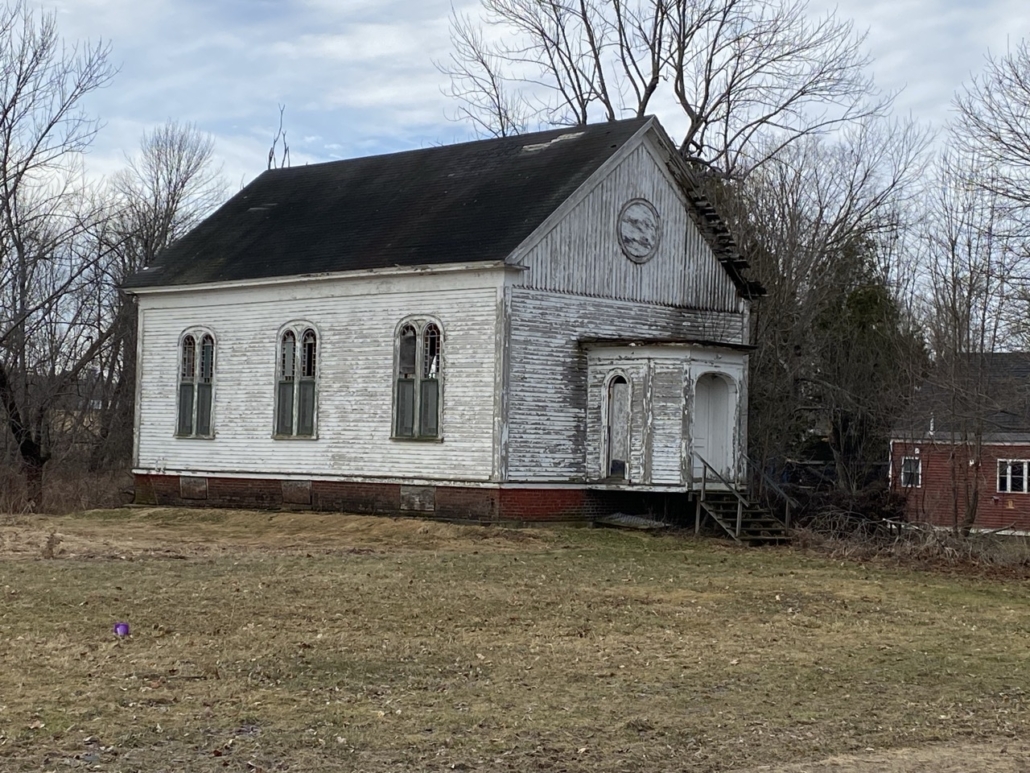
[712,436]
[617,426]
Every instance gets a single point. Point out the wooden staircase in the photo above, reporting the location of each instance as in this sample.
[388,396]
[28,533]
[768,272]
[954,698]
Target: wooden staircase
[746,522]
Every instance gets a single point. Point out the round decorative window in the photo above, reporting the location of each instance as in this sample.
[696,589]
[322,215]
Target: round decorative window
[639,227]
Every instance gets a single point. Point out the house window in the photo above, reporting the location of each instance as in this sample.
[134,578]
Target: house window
[1012,475]
[196,384]
[296,382]
[911,472]
[419,375]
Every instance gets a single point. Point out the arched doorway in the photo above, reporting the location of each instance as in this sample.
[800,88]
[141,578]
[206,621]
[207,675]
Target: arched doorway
[617,429]
[713,425]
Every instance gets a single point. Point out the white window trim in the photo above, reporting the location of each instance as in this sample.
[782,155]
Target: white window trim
[198,333]
[420,323]
[919,471]
[298,328]
[1008,476]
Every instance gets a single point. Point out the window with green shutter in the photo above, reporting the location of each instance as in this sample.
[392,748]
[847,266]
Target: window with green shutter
[296,382]
[196,385]
[419,376]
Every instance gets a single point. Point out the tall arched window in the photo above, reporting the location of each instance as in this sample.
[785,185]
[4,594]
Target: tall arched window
[297,378]
[196,384]
[419,376]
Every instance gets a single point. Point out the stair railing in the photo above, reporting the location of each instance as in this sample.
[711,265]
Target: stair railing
[767,480]
[741,502]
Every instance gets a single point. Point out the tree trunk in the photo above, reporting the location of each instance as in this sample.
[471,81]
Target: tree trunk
[32,469]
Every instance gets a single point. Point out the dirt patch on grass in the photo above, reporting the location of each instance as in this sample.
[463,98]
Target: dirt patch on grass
[1003,757]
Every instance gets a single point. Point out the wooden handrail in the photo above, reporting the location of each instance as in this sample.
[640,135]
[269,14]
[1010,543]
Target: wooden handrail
[767,479]
[722,480]
[741,502]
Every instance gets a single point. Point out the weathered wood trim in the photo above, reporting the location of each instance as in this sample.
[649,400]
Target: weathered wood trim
[138,391]
[502,369]
[647,431]
[687,436]
[281,281]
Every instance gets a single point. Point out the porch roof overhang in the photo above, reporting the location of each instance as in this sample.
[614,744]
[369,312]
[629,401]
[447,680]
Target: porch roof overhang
[671,343]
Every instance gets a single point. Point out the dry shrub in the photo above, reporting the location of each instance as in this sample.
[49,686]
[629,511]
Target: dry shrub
[66,489]
[921,545]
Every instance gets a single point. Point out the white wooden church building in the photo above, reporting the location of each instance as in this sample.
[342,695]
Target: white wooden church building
[552,325]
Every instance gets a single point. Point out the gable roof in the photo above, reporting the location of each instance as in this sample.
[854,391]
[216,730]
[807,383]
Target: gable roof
[470,202]
[988,391]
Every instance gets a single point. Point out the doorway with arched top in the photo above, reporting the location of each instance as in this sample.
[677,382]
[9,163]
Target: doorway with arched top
[617,432]
[712,435]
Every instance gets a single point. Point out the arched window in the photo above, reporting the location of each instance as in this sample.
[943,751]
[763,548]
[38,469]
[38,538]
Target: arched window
[297,377]
[419,375]
[196,384]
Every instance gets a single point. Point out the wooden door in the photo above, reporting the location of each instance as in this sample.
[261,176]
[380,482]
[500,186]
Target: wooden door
[712,425]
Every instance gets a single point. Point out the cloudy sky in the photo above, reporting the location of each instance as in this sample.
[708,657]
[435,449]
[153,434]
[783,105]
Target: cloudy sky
[357,76]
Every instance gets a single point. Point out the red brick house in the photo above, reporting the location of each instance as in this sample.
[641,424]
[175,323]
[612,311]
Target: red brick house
[965,445]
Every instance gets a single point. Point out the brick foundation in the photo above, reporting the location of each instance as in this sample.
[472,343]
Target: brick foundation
[457,503]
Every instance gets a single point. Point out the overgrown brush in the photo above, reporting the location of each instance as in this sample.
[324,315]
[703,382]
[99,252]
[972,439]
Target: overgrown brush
[66,490]
[919,545]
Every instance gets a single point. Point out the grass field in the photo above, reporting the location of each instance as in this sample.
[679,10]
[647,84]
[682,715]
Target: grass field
[302,642]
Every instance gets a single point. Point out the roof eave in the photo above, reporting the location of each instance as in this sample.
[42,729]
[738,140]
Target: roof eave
[392,271]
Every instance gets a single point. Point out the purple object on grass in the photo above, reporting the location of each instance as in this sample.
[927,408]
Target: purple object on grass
[121,629]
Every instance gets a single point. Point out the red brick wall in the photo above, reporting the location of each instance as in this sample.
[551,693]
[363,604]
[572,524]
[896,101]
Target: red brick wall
[946,470]
[450,502]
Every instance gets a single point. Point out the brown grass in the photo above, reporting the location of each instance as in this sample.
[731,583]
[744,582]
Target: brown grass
[307,642]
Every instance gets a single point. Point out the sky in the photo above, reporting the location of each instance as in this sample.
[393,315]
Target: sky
[357,77]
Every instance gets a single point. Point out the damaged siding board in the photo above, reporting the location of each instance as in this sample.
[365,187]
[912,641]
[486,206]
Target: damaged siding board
[357,320]
[667,408]
[596,459]
[547,391]
[581,254]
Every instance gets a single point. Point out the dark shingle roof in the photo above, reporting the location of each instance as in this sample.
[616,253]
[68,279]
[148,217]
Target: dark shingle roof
[989,392]
[475,201]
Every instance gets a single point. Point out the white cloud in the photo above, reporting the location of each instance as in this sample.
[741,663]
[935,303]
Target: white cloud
[357,76]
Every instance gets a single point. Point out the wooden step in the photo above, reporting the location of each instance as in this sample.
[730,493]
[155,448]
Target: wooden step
[757,525]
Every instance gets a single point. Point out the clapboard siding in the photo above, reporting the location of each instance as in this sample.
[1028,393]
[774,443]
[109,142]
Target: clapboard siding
[636,375]
[356,320]
[580,253]
[667,406]
[547,391]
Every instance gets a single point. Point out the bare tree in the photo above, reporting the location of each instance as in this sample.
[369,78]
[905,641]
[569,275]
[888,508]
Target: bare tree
[283,159]
[972,281]
[165,189]
[45,211]
[994,123]
[821,222]
[746,77]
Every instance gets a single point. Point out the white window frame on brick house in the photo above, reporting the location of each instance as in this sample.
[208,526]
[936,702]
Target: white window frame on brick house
[418,379]
[297,368]
[1007,480]
[911,478]
[195,395]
